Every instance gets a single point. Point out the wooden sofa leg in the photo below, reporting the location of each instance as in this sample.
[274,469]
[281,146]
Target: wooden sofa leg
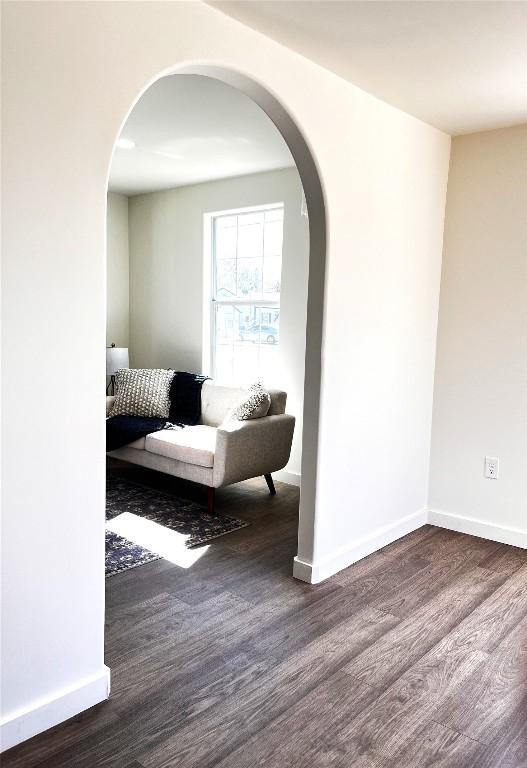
[270,485]
[211,501]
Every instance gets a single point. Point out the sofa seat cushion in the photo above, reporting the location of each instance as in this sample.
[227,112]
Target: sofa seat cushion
[192,445]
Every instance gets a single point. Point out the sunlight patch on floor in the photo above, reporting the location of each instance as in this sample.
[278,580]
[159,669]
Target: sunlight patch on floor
[150,535]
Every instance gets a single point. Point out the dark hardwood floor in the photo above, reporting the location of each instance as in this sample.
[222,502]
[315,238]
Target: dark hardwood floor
[414,657]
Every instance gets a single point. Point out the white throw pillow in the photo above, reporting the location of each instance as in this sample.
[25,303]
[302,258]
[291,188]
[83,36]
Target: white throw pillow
[142,392]
[254,405]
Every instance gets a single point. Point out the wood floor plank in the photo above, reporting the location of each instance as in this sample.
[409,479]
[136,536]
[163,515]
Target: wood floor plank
[435,746]
[404,599]
[36,751]
[498,614]
[431,548]
[419,693]
[407,705]
[156,664]
[362,569]
[369,581]
[137,611]
[396,651]
[212,736]
[175,619]
[484,705]
[291,633]
[505,559]
[302,734]
[509,751]
[445,542]
[405,543]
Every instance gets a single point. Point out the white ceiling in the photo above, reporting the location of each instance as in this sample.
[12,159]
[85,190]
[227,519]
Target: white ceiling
[461,66]
[188,129]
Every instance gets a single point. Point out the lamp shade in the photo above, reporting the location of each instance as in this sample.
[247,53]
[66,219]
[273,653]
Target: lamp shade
[116,358]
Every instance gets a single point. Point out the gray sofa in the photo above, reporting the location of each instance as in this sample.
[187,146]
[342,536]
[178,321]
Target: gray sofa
[217,452]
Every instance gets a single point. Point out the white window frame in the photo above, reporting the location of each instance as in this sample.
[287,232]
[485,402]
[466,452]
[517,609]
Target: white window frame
[208,362]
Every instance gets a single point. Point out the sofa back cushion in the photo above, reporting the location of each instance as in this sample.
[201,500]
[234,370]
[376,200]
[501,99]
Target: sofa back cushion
[217,402]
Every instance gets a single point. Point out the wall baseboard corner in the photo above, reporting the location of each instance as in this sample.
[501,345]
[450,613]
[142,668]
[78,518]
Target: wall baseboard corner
[302,570]
[46,713]
[516,537]
[291,478]
[345,556]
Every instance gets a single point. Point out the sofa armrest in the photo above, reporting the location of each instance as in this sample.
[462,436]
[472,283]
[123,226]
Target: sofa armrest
[246,449]
[109,402]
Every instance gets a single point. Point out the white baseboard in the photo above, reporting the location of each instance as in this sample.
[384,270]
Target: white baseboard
[291,478]
[345,556]
[46,713]
[471,525]
[302,570]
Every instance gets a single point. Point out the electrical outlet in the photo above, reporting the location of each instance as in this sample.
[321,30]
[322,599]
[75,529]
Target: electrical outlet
[492,467]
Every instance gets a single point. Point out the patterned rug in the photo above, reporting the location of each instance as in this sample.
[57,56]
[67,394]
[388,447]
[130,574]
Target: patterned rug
[180,515]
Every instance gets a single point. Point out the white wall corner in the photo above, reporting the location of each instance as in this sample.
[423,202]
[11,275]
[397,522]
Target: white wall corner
[516,537]
[291,478]
[45,713]
[345,556]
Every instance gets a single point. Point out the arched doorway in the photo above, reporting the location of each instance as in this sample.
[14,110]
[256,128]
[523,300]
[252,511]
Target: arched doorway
[306,165]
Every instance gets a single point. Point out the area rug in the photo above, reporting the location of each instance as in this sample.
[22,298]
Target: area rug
[180,515]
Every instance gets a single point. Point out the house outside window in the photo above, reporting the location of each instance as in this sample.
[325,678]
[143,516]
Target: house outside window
[246,262]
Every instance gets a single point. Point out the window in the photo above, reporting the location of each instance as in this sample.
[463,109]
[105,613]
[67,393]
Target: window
[246,249]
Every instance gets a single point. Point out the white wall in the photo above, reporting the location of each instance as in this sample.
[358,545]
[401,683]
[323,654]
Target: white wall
[480,401]
[383,175]
[118,278]
[166,278]
[381,322]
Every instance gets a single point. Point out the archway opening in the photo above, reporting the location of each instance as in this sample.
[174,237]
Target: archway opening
[248,317]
